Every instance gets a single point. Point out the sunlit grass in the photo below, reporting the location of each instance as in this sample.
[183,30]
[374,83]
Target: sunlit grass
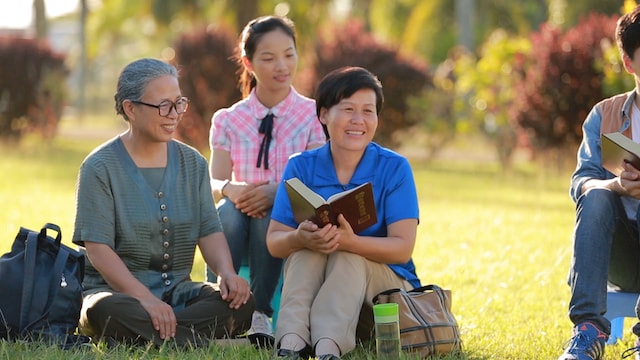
[501,242]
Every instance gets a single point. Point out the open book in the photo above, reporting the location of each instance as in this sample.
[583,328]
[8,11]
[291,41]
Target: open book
[357,205]
[616,149]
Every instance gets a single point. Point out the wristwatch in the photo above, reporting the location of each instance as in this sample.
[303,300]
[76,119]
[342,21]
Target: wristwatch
[226,182]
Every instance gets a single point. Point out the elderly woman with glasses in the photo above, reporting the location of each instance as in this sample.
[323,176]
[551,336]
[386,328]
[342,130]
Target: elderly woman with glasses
[143,205]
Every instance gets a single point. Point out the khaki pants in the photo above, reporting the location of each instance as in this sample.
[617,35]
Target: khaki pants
[330,296]
[122,317]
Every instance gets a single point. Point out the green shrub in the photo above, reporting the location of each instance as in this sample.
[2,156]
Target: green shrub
[485,90]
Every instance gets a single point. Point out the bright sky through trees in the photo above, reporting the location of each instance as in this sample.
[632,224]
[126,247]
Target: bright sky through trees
[17,14]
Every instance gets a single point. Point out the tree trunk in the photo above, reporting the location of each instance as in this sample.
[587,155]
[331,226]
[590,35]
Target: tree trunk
[40,19]
[465,13]
[246,11]
[82,78]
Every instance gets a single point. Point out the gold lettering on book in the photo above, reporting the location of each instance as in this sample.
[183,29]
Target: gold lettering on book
[362,210]
[363,219]
[323,217]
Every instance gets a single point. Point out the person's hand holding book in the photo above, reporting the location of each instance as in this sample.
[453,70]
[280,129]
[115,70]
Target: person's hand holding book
[320,239]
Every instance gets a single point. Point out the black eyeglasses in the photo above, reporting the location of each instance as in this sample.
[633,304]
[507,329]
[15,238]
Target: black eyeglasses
[164,108]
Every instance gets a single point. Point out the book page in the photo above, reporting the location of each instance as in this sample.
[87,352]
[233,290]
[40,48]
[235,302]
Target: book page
[314,199]
[343,193]
[616,149]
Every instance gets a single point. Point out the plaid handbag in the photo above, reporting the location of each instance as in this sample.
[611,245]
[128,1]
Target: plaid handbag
[427,326]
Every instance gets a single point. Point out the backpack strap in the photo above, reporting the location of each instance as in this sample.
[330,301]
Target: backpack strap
[29,275]
[42,301]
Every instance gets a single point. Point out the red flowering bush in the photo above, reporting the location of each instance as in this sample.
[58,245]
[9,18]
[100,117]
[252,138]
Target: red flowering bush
[208,78]
[562,82]
[32,88]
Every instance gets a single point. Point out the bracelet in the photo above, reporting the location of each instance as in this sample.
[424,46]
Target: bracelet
[226,182]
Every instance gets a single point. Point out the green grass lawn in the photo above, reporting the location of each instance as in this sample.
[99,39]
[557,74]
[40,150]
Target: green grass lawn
[501,242]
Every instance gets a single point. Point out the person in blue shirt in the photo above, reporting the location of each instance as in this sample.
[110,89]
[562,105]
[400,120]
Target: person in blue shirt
[606,250]
[331,274]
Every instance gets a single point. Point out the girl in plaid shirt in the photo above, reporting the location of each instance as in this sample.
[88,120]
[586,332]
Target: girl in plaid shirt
[250,143]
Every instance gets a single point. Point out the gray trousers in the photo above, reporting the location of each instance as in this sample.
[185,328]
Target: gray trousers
[122,318]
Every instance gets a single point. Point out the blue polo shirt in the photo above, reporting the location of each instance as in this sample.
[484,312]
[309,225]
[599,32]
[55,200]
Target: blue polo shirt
[394,190]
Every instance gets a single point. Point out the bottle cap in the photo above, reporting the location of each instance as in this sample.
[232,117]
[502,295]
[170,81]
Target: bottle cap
[384,313]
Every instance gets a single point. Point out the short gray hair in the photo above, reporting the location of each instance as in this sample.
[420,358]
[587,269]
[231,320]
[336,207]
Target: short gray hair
[135,77]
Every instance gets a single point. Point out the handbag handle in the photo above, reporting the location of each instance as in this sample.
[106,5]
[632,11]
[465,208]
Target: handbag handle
[418,289]
[386,292]
[436,289]
[431,287]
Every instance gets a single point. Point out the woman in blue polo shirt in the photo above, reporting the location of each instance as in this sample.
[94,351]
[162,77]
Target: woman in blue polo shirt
[331,273]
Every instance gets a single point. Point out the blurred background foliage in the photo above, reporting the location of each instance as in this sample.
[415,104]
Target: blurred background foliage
[522,74]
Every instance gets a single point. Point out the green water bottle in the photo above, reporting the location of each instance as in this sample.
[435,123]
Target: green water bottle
[387,326]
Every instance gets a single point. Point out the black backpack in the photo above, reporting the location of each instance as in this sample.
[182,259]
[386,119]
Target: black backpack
[41,287]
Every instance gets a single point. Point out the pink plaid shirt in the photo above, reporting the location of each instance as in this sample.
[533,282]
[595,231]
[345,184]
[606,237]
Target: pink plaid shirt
[235,130]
